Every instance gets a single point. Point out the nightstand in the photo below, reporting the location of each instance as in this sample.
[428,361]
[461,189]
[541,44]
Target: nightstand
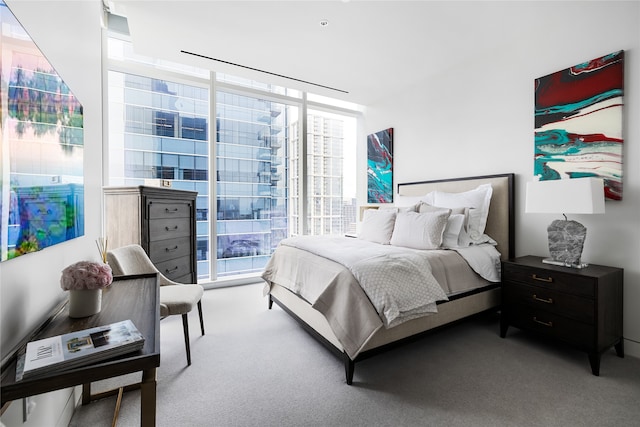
[581,307]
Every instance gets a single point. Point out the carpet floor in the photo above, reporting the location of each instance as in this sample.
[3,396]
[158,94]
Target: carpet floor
[258,367]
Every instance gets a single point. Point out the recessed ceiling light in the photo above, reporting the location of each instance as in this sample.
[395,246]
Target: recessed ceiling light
[324,23]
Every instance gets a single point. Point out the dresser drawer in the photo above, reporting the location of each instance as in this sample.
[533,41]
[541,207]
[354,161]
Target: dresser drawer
[163,250]
[175,268]
[538,297]
[162,229]
[579,334]
[168,209]
[550,279]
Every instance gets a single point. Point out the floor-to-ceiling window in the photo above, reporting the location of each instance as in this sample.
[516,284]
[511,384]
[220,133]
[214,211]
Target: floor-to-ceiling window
[239,144]
[251,181]
[159,131]
[330,176]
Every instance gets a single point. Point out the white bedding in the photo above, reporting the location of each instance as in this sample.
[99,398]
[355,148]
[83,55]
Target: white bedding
[398,281]
[333,290]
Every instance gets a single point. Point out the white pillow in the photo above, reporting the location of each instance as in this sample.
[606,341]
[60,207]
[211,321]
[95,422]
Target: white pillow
[479,199]
[377,225]
[455,233]
[451,237]
[419,230]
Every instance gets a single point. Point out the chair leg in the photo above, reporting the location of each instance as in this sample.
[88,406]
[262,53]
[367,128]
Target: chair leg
[201,319]
[185,326]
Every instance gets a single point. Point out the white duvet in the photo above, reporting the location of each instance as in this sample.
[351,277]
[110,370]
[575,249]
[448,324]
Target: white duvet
[398,281]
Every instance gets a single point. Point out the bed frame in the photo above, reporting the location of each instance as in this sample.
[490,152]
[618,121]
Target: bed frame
[500,226]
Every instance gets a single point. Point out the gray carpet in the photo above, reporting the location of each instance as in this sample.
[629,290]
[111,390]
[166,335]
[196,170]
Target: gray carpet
[257,367]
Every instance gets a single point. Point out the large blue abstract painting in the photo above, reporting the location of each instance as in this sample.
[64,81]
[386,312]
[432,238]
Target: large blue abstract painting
[41,160]
[578,123]
[380,167]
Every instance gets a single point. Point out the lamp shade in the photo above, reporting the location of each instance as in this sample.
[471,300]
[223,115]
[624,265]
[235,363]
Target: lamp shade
[566,196]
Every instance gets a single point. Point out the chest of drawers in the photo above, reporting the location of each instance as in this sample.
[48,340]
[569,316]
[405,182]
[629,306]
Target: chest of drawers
[161,220]
[581,307]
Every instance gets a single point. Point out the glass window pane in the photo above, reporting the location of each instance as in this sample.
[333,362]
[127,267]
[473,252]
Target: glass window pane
[252,172]
[153,129]
[159,129]
[331,186]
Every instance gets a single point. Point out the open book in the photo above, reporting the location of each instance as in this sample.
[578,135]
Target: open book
[81,347]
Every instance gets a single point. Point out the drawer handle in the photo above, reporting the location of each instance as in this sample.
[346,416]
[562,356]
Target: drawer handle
[549,324]
[171,270]
[176,247]
[167,210]
[171,229]
[542,279]
[548,301]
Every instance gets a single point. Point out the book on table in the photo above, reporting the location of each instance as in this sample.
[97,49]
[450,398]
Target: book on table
[80,348]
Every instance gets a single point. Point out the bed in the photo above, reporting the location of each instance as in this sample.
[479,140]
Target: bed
[347,318]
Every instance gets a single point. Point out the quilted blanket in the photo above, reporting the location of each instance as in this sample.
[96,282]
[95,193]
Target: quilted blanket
[398,282]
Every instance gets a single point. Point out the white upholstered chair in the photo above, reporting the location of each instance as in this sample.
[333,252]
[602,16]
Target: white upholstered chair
[175,298]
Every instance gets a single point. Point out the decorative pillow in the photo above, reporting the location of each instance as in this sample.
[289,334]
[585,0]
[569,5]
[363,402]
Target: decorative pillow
[411,208]
[478,198]
[419,230]
[455,233]
[427,208]
[451,236]
[377,225]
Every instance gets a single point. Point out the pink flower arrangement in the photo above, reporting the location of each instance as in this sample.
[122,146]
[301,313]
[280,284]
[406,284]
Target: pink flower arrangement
[86,275]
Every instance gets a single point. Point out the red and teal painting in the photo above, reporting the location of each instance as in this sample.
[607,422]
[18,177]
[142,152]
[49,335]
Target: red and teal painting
[380,167]
[578,123]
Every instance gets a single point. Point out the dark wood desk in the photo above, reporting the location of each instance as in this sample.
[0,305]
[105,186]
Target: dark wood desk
[129,297]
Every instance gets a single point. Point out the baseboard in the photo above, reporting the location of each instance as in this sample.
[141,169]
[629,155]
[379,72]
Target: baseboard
[631,348]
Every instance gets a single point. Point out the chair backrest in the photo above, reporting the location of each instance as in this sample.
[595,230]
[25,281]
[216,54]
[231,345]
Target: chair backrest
[131,259]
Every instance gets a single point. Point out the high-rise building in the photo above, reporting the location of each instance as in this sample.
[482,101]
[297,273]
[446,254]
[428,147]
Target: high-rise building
[349,209]
[325,139]
[251,159]
[161,129]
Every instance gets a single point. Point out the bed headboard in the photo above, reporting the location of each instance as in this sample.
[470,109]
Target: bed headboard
[500,222]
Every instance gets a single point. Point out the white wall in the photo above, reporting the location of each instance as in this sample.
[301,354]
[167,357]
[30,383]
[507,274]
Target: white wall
[29,285]
[476,118]
[470,119]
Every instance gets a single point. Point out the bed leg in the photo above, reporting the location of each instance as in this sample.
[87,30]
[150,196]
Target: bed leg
[349,367]
[270,302]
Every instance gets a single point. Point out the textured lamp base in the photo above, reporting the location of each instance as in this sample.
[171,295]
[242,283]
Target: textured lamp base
[564,264]
[566,240]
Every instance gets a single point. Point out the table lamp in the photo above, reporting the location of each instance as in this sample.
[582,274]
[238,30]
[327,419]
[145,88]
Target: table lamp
[566,196]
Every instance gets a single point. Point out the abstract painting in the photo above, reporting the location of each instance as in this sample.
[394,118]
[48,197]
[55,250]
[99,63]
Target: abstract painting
[578,123]
[380,167]
[42,150]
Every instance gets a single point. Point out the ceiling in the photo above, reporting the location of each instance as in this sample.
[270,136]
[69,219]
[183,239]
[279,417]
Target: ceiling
[367,50]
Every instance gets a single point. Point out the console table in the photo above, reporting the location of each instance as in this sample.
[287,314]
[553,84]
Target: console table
[128,297]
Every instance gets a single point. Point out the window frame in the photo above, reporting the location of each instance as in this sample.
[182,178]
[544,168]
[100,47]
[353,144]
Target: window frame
[214,86]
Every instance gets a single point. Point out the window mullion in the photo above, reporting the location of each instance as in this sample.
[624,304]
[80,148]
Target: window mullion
[213,188]
[303,170]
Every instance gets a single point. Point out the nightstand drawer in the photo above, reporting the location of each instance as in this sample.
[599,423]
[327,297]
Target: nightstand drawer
[549,324]
[540,298]
[553,280]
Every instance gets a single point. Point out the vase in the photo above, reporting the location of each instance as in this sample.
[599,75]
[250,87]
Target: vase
[84,302]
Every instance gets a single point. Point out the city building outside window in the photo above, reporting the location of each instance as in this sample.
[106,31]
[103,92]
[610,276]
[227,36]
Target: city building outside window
[249,197]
